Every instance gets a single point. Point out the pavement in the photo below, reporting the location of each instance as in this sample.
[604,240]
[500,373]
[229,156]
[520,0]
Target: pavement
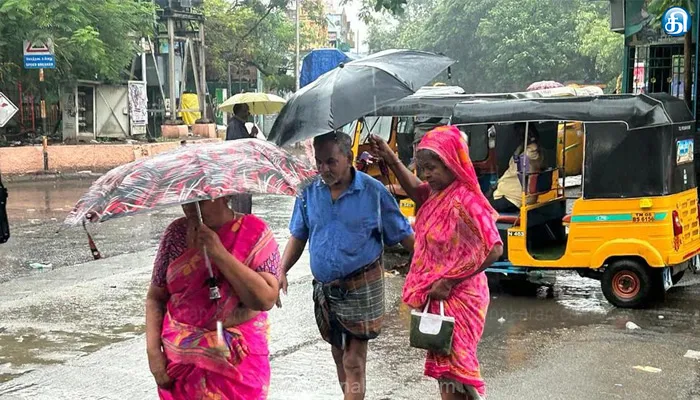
[76,330]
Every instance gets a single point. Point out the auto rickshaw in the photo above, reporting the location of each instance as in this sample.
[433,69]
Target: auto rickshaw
[403,124]
[635,226]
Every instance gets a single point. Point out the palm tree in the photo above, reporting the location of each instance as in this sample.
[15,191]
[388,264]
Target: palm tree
[658,7]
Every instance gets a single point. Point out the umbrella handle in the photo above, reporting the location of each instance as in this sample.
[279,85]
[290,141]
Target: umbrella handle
[214,293]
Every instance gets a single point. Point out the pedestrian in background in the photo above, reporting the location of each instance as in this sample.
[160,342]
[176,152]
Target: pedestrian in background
[243,202]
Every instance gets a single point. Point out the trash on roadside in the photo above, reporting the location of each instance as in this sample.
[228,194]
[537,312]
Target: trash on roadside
[695,355]
[661,317]
[632,326]
[648,369]
[40,266]
[618,385]
[501,320]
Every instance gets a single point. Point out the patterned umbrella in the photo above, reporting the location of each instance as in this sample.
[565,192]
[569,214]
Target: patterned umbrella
[190,174]
[544,85]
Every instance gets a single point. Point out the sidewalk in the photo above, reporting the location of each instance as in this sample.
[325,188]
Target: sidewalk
[67,159]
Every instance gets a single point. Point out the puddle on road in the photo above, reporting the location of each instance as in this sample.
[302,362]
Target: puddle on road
[32,348]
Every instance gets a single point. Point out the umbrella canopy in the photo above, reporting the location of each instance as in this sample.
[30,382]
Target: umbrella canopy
[190,174]
[544,85]
[354,90]
[258,103]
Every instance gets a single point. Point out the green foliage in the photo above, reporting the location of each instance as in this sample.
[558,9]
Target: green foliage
[256,33]
[93,39]
[657,7]
[504,45]
[280,82]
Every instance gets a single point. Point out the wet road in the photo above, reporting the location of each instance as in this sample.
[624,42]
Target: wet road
[76,331]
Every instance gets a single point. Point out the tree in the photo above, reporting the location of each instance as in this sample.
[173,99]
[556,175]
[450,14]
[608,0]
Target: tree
[93,40]
[504,45]
[599,44]
[530,40]
[396,7]
[259,34]
[400,31]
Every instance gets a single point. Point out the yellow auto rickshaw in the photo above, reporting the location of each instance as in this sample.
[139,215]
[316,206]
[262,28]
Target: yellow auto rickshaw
[635,224]
[403,123]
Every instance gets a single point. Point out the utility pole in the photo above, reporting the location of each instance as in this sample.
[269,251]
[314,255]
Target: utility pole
[44,128]
[171,68]
[203,75]
[296,64]
[230,88]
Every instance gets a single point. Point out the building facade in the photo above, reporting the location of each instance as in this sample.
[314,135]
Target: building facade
[654,61]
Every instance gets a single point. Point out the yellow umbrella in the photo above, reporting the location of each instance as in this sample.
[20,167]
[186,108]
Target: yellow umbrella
[258,103]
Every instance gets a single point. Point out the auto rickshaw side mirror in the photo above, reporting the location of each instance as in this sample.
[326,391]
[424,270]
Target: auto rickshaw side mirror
[4,223]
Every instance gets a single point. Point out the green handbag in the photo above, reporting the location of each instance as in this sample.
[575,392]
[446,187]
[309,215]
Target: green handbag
[432,332]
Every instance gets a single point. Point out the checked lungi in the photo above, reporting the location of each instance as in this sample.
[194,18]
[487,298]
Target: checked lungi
[351,307]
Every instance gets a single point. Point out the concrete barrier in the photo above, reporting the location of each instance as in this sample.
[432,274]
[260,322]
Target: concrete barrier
[86,157]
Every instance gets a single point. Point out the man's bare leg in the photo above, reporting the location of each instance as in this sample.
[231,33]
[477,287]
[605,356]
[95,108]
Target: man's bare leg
[354,363]
[449,392]
[338,358]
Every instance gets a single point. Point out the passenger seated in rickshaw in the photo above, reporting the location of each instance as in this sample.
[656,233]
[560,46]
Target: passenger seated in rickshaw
[507,197]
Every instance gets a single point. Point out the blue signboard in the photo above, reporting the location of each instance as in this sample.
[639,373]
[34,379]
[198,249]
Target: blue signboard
[39,61]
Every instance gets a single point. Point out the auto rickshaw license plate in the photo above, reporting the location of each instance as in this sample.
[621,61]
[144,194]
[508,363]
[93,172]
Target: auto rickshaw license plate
[643,217]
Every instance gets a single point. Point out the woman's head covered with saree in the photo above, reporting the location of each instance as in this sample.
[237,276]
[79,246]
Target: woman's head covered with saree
[450,146]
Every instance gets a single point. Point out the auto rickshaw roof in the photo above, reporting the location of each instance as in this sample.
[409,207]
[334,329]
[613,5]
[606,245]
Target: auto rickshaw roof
[431,104]
[439,101]
[635,111]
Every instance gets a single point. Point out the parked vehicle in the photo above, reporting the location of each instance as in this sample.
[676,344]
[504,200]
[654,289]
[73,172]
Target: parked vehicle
[635,226]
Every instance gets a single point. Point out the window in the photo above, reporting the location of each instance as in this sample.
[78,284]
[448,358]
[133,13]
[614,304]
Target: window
[380,126]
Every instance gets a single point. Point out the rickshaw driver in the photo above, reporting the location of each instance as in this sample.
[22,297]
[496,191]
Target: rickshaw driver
[506,198]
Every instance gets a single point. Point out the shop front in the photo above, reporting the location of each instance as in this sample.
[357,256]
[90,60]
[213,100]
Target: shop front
[657,39]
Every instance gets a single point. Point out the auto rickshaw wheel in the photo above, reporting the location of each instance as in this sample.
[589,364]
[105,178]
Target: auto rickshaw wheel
[628,283]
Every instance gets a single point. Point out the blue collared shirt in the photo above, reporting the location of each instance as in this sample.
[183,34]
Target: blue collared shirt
[344,235]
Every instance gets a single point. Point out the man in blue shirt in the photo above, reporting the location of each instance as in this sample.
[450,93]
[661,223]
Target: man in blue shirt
[347,217]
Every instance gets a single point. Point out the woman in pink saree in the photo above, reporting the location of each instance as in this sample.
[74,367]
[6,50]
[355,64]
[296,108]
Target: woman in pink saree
[187,357]
[456,240]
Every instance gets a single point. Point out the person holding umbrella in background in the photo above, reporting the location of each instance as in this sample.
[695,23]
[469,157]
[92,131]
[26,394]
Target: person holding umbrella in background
[243,105]
[236,128]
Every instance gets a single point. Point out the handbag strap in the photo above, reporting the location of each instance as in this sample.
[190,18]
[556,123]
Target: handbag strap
[442,307]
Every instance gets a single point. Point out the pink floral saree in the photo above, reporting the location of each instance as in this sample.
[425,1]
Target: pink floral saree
[201,366]
[455,232]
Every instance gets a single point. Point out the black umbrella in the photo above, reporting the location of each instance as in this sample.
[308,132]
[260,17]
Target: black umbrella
[354,90]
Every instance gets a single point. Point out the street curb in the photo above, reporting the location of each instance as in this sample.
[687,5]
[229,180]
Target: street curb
[52,176]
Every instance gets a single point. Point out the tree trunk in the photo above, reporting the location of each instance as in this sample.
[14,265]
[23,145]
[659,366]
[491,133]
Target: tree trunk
[687,69]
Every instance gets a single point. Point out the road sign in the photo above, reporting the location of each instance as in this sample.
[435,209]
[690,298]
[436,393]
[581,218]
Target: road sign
[39,55]
[7,110]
